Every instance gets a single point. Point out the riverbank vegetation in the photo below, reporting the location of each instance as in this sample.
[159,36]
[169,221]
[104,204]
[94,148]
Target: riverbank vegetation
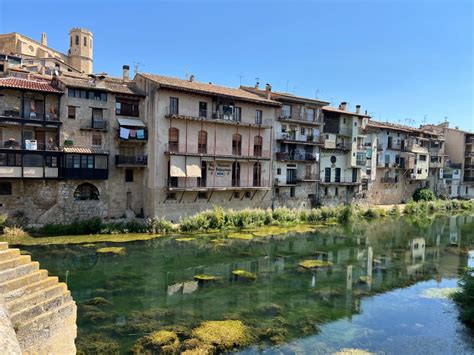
[465,297]
[218,220]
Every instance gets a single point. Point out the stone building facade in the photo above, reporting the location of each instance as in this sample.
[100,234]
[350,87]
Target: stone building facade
[210,145]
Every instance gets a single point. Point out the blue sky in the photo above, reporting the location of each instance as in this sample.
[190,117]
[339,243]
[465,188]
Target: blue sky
[404,61]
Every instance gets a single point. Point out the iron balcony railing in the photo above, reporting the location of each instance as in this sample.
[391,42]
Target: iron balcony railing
[208,183]
[139,160]
[296,156]
[293,136]
[94,124]
[37,116]
[236,151]
[214,115]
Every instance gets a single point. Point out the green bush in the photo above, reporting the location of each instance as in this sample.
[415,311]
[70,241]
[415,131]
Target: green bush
[3,221]
[159,225]
[346,214]
[424,194]
[465,297]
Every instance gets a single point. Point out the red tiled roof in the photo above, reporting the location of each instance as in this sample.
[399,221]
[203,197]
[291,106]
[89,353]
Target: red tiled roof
[275,95]
[26,84]
[207,89]
[333,109]
[392,126]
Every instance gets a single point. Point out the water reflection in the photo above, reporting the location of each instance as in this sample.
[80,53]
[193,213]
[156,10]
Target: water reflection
[154,286]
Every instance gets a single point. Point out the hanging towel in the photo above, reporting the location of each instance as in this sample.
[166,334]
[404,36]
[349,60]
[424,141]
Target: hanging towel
[141,134]
[124,133]
[133,133]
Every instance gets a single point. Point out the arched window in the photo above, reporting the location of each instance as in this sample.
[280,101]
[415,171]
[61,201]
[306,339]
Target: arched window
[257,174]
[86,191]
[173,139]
[236,144]
[235,173]
[77,40]
[202,142]
[257,146]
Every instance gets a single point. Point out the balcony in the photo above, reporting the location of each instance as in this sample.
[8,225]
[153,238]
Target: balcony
[199,184]
[14,116]
[415,146]
[131,130]
[468,166]
[303,118]
[235,153]
[309,177]
[339,181]
[20,163]
[94,124]
[296,156]
[293,137]
[217,117]
[131,161]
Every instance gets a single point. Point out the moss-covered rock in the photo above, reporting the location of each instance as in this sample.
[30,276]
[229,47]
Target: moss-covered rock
[96,344]
[159,342]
[98,301]
[94,314]
[244,275]
[224,335]
[313,264]
[112,251]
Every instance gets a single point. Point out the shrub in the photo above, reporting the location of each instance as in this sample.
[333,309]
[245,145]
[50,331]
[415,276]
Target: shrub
[159,225]
[464,298]
[424,194]
[87,226]
[3,221]
[346,214]
[14,232]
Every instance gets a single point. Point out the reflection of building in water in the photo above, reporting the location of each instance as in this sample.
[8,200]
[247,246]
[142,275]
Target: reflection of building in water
[454,232]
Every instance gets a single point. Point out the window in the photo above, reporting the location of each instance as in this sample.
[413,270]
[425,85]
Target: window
[86,191]
[286,111]
[171,196]
[33,160]
[203,109]
[325,191]
[202,142]
[97,139]
[236,194]
[237,144]
[257,174]
[303,131]
[5,188]
[77,40]
[292,191]
[336,191]
[310,113]
[85,41]
[10,159]
[238,114]
[248,194]
[202,195]
[327,175]
[337,178]
[279,171]
[101,162]
[422,157]
[235,173]
[51,162]
[173,139]
[128,175]
[71,112]
[257,146]
[87,161]
[126,107]
[174,106]
[277,191]
[258,117]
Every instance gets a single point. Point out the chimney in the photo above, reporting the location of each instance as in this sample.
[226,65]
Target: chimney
[44,39]
[268,89]
[191,78]
[343,106]
[357,109]
[126,70]
[257,85]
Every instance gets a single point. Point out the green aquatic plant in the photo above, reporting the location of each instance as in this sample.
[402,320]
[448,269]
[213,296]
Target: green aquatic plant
[98,301]
[96,344]
[312,264]
[159,342]
[243,274]
[225,335]
[205,278]
[464,298]
[184,239]
[112,251]
[94,314]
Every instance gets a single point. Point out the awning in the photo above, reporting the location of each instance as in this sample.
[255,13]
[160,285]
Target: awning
[177,166]
[193,167]
[130,122]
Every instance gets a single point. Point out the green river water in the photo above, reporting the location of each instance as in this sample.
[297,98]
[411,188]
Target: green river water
[383,292]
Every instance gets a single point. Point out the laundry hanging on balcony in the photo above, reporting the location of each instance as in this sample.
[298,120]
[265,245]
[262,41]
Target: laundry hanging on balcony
[193,167]
[177,166]
[124,133]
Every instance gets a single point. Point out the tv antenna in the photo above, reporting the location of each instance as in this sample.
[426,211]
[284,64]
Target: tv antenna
[316,93]
[240,78]
[136,66]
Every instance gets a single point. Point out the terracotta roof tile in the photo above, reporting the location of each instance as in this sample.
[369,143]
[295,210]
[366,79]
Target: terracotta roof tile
[84,150]
[113,85]
[207,89]
[275,95]
[26,84]
[333,109]
[392,126]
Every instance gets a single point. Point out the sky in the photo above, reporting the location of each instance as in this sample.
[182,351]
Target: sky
[405,61]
